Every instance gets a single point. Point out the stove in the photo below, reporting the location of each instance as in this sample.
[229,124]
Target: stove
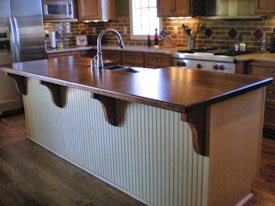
[207,59]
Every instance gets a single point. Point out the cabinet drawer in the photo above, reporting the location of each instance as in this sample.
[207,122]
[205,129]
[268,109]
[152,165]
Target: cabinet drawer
[62,54]
[112,55]
[269,119]
[133,59]
[157,60]
[263,68]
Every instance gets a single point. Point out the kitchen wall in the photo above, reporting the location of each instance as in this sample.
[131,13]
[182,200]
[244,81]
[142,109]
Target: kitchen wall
[214,33]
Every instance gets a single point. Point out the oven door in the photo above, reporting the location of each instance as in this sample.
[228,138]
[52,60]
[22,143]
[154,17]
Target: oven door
[57,9]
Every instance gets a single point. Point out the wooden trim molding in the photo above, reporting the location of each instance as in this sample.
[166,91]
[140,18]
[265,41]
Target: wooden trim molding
[109,108]
[20,82]
[197,120]
[58,93]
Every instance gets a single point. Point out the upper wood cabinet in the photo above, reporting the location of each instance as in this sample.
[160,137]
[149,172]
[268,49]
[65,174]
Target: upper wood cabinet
[96,9]
[265,7]
[175,8]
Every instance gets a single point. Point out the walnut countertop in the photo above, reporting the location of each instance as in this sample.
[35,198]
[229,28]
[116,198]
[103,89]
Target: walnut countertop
[176,89]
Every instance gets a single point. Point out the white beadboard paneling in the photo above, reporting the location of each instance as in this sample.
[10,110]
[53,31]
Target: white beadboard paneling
[150,156]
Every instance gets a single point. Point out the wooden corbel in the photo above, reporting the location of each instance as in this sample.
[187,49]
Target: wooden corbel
[20,82]
[58,93]
[109,108]
[197,120]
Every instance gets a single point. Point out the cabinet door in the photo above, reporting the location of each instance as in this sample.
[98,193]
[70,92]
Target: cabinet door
[89,9]
[181,8]
[265,7]
[165,8]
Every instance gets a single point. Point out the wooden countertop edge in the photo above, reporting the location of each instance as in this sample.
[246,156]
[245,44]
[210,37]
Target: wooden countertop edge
[144,100]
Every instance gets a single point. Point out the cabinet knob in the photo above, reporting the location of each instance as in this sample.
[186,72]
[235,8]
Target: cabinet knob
[199,66]
[158,60]
[270,91]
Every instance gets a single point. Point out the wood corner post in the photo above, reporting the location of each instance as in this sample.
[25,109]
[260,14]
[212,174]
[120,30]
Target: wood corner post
[198,121]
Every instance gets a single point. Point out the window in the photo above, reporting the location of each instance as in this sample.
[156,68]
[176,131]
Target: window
[144,18]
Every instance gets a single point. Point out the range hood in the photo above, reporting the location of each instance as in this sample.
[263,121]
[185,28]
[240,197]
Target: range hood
[231,9]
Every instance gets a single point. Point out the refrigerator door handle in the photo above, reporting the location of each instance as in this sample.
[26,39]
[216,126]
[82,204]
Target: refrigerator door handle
[17,40]
[12,39]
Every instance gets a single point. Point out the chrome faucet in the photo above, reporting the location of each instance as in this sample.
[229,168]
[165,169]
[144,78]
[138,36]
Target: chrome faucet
[98,57]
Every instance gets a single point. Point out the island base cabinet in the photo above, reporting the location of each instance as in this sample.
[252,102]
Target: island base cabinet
[150,155]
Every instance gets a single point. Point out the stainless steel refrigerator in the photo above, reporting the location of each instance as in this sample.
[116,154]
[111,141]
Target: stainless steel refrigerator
[21,39]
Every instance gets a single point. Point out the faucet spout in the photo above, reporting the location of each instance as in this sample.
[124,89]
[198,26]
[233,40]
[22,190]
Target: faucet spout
[99,58]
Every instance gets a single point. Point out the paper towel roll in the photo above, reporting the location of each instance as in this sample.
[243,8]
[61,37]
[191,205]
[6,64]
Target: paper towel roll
[52,39]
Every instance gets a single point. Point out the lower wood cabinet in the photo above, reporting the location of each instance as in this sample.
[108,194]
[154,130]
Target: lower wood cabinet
[71,53]
[266,69]
[127,58]
[62,54]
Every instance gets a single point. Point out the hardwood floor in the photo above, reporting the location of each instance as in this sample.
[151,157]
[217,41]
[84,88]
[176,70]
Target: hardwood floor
[32,176]
[264,187]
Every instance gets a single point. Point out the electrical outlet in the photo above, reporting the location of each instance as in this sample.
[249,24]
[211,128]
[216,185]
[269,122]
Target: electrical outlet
[125,30]
[93,30]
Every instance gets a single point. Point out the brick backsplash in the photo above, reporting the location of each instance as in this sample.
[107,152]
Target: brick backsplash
[219,31]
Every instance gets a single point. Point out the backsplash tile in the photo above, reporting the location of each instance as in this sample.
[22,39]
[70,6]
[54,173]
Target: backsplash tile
[208,32]
[258,34]
[219,38]
[232,33]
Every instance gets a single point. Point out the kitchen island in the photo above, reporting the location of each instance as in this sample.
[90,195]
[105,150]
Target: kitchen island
[166,136]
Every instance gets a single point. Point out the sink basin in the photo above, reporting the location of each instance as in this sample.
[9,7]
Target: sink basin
[114,67]
[127,69]
[121,68]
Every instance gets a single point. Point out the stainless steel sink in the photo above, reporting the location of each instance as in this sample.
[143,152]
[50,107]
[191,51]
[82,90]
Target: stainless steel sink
[127,69]
[114,67]
[121,68]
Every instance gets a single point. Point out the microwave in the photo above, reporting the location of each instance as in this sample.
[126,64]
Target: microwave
[58,9]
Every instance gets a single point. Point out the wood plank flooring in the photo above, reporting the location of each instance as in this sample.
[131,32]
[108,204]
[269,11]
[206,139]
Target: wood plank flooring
[32,176]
